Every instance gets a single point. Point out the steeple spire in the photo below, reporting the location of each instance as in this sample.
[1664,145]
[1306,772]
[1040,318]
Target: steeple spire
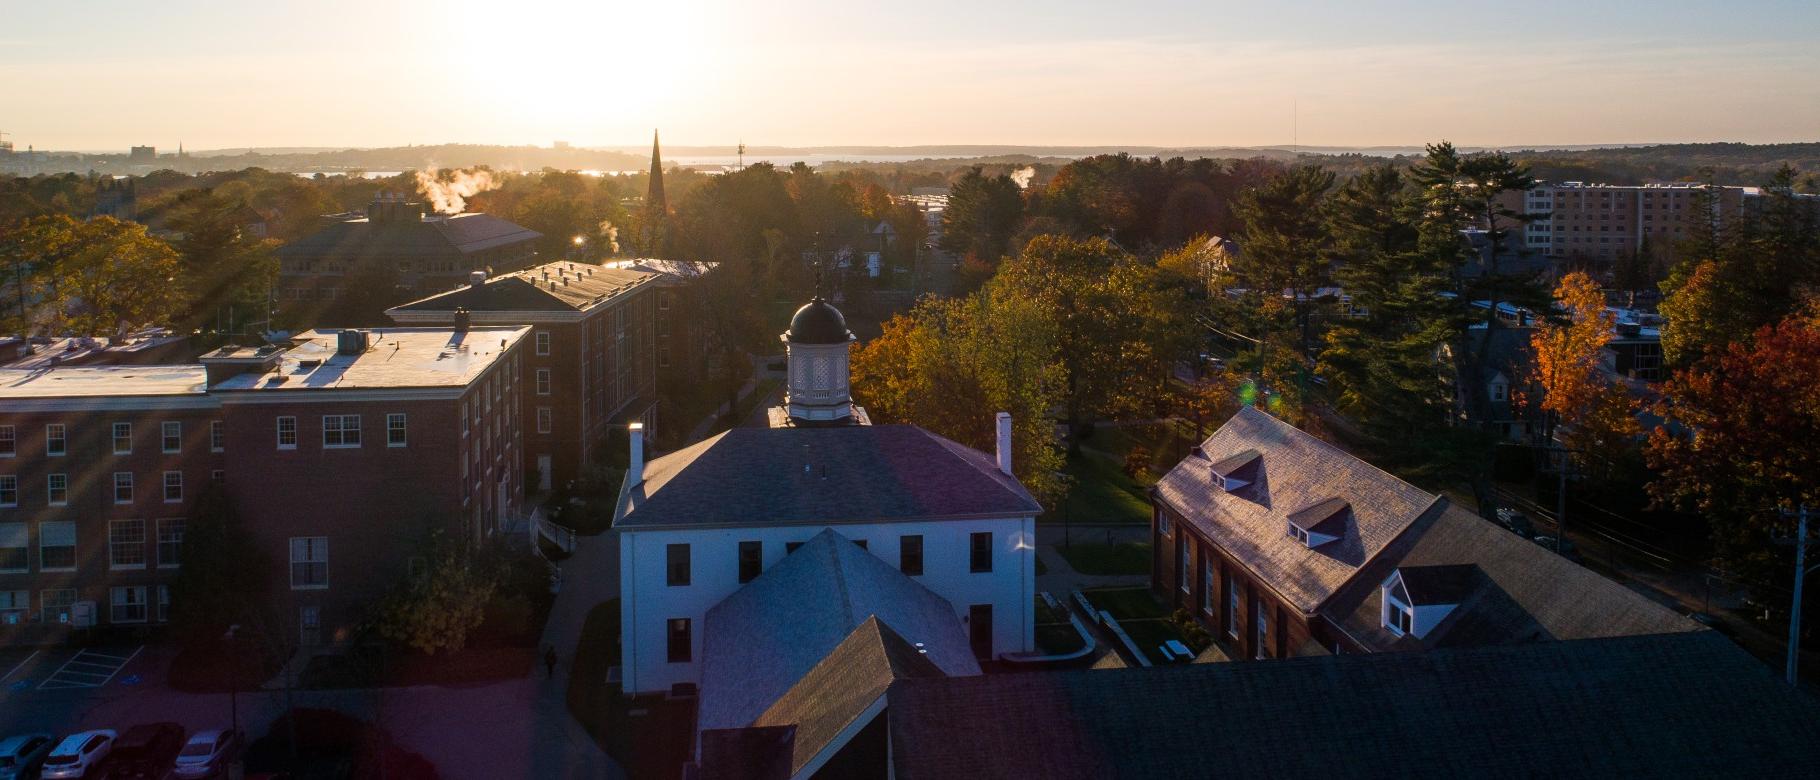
[654,193]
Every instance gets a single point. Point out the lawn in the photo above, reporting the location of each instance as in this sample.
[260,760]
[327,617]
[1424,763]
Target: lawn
[1148,634]
[1101,492]
[1127,603]
[1095,559]
[648,735]
[1046,614]
[1057,638]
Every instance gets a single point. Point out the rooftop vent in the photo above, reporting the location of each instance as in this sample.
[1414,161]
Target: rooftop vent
[477,278]
[351,342]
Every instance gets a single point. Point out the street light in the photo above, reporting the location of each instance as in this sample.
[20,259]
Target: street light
[1801,572]
[233,675]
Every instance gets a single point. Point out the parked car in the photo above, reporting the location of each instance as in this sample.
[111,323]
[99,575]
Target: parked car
[146,751]
[22,754]
[1516,522]
[208,753]
[78,753]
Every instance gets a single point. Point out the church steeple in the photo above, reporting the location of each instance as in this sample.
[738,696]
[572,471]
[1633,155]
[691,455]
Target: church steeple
[656,217]
[654,194]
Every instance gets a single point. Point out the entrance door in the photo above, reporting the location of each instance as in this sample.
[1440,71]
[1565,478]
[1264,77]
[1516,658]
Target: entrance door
[979,630]
[543,473]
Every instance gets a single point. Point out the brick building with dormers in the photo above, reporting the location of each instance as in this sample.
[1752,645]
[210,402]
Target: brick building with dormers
[338,452]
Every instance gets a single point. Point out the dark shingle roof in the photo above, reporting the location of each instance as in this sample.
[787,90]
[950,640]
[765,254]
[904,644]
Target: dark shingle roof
[767,636]
[1292,470]
[790,476]
[434,237]
[1440,584]
[557,287]
[1519,592]
[1681,705]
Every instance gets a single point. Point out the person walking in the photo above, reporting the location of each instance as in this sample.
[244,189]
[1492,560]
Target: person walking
[549,661]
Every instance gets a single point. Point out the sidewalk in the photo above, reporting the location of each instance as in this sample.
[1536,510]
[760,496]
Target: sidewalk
[589,577]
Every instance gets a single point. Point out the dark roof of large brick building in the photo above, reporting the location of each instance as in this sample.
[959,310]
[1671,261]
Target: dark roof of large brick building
[1674,705]
[551,287]
[801,476]
[436,236]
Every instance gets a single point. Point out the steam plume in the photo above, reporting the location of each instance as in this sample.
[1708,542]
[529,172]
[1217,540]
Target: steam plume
[448,191]
[612,234]
[1023,176]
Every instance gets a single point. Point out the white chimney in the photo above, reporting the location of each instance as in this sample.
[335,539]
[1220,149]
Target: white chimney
[477,278]
[635,465]
[1004,442]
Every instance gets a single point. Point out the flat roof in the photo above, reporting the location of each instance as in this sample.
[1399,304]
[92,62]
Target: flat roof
[102,381]
[394,358]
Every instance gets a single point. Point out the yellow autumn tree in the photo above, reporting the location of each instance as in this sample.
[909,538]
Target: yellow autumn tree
[1593,412]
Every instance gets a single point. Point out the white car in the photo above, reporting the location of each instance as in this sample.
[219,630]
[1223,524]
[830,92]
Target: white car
[78,753]
[207,753]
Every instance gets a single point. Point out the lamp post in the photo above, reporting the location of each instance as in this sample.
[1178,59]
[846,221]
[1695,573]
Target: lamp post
[1801,572]
[233,676]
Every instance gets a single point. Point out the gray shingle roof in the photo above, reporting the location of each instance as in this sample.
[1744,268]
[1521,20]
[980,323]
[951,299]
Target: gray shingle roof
[1679,705]
[769,635]
[560,286]
[1293,470]
[436,237]
[862,473]
[1520,592]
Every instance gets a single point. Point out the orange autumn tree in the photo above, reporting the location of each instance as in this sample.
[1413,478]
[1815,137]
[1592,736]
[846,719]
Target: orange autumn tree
[1595,413]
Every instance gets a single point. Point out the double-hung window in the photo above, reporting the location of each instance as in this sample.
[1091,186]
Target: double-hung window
[15,547]
[545,419]
[979,559]
[126,544]
[543,342]
[309,562]
[57,546]
[123,487]
[217,436]
[676,564]
[1263,629]
[127,604]
[340,431]
[9,441]
[1207,585]
[910,555]
[543,381]
[751,560]
[1232,604]
[287,433]
[56,603]
[9,490]
[56,438]
[170,543]
[123,438]
[171,437]
[173,487]
[681,641]
[395,430]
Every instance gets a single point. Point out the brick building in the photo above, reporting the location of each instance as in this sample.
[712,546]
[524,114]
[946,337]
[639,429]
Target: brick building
[101,466]
[1598,223]
[1283,545]
[591,364]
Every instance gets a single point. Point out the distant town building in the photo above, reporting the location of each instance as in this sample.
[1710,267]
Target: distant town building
[340,452]
[1598,223]
[142,155]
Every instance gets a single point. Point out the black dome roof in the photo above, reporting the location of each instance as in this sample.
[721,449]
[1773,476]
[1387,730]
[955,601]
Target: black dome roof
[818,322]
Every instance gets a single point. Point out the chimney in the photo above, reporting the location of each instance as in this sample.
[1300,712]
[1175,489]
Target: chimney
[462,319]
[1004,442]
[635,464]
[477,278]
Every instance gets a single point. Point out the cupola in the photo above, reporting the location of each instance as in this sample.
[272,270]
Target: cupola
[815,347]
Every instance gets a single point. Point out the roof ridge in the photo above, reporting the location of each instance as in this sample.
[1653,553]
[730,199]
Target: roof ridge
[1430,513]
[840,576]
[993,473]
[1274,420]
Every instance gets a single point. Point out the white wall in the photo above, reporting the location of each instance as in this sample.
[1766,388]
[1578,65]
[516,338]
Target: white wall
[648,603]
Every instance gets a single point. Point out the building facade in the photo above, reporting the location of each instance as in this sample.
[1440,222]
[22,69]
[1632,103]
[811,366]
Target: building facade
[1599,223]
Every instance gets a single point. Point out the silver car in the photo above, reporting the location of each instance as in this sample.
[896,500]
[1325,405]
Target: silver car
[20,755]
[208,753]
[78,753]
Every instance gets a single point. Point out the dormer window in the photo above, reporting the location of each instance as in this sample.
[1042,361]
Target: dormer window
[1236,472]
[1319,523]
[1399,617]
[1416,599]
[1298,535]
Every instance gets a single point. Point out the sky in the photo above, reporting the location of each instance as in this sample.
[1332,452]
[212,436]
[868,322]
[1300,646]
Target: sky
[105,74]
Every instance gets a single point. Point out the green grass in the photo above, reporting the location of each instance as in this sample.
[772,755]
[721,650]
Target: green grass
[1058,638]
[1102,493]
[1127,603]
[1044,614]
[1148,634]
[1099,560]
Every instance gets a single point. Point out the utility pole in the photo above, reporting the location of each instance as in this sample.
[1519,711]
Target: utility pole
[1801,572]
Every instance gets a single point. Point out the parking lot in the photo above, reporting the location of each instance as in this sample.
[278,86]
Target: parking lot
[88,669]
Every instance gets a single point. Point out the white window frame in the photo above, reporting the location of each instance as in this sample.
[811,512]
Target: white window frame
[217,436]
[1233,605]
[115,603]
[170,531]
[546,419]
[74,559]
[9,490]
[115,546]
[541,340]
[1207,585]
[316,552]
[1391,604]
[9,441]
[57,489]
[464,419]
[23,534]
[341,431]
[543,381]
[397,430]
[165,436]
[1260,617]
[59,435]
[56,609]
[119,436]
[281,431]
[127,483]
[169,484]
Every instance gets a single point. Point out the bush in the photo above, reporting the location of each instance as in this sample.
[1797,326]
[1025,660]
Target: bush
[1192,632]
[1137,462]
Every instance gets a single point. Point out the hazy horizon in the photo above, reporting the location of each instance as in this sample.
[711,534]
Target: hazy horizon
[1398,73]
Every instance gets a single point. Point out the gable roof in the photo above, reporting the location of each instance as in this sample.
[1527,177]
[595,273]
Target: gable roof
[552,287]
[1680,705]
[1293,470]
[1515,591]
[436,236]
[811,476]
[833,696]
[765,638]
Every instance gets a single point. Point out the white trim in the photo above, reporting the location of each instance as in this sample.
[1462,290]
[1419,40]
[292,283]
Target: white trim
[404,428]
[111,403]
[333,395]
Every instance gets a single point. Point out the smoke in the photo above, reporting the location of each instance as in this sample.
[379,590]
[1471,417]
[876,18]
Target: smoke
[612,235]
[448,191]
[1023,176]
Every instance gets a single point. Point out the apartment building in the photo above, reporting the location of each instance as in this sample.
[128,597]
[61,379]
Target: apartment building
[339,452]
[592,360]
[1599,223]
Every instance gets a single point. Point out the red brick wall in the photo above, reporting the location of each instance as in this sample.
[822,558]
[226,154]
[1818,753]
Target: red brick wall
[1288,628]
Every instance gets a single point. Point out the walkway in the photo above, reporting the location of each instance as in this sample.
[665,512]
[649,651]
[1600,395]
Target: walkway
[588,577]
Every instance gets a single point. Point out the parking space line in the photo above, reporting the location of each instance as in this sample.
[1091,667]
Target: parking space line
[80,671]
[129,659]
[18,666]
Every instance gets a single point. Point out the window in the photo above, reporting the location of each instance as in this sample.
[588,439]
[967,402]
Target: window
[1232,605]
[790,547]
[14,606]
[1262,624]
[1182,563]
[340,431]
[309,562]
[170,543]
[980,561]
[1398,616]
[1500,391]
[682,645]
[163,615]
[15,547]
[544,419]
[860,543]
[217,475]
[172,438]
[9,441]
[464,419]
[123,487]
[287,433]
[54,439]
[663,300]
[395,429]
[217,436]
[126,544]
[543,381]
[57,546]
[910,555]
[9,490]
[173,487]
[1298,535]
[1162,523]
[128,604]
[1207,585]
[543,342]
[676,564]
[56,603]
[123,438]
[751,560]
[663,357]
